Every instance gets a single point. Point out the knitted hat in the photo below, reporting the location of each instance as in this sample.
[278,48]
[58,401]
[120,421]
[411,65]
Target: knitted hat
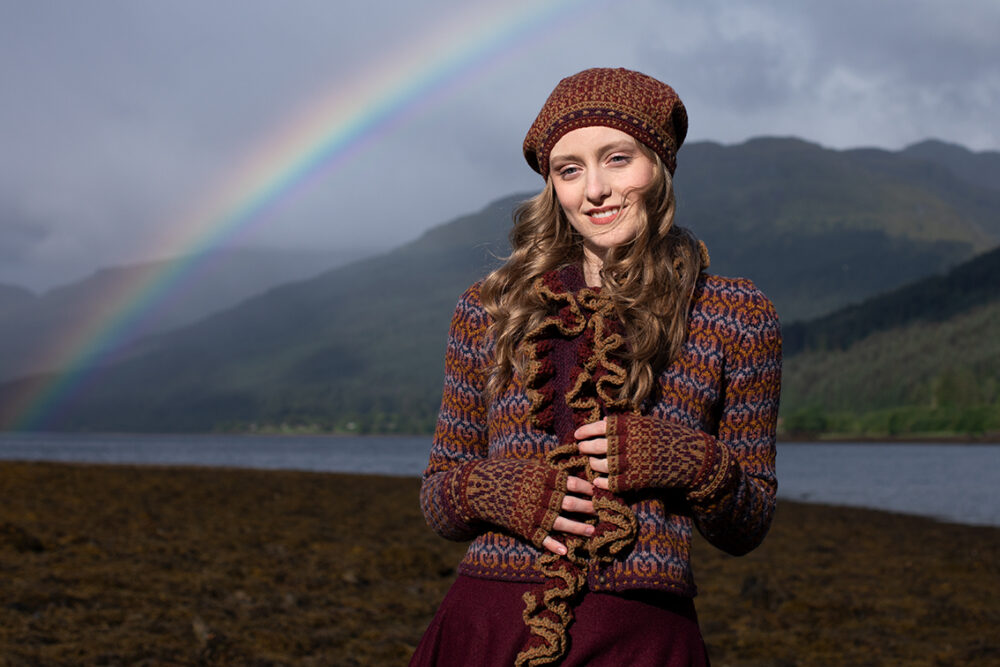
[632,102]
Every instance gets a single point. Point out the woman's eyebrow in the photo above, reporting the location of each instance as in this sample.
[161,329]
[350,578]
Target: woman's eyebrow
[607,148]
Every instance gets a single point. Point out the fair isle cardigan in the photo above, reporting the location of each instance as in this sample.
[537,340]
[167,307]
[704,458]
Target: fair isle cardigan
[721,392]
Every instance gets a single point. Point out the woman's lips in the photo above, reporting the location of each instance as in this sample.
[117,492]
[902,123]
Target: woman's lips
[603,216]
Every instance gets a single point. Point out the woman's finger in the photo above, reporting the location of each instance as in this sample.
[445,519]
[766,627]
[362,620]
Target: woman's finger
[564,525]
[579,485]
[577,505]
[596,446]
[554,546]
[599,464]
[601,483]
[591,430]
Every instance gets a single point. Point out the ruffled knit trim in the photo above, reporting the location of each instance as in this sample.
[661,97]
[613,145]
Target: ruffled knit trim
[586,318]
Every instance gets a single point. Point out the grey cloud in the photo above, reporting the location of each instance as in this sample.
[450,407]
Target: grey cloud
[18,235]
[120,117]
[845,74]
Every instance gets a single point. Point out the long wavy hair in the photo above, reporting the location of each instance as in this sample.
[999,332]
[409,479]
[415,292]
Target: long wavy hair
[650,280]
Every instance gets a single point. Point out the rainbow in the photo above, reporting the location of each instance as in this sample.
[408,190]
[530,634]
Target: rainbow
[311,144]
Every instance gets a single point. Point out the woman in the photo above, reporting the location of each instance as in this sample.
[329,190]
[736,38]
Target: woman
[603,394]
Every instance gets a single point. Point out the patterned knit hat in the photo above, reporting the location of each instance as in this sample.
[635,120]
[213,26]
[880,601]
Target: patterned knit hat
[632,102]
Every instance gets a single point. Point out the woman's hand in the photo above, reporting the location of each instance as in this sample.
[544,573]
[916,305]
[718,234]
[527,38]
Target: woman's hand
[572,504]
[591,441]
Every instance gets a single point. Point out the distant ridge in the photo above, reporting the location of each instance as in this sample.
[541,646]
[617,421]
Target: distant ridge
[982,168]
[34,325]
[13,297]
[818,229]
[934,299]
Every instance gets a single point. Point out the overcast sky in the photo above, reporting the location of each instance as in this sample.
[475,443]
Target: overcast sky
[119,117]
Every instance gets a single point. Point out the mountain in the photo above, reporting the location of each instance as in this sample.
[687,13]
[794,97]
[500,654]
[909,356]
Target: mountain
[13,297]
[982,168]
[32,328]
[818,229]
[360,344]
[924,359]
[360,347]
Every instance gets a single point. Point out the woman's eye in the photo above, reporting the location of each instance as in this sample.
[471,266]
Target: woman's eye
[619,158]
[567,171]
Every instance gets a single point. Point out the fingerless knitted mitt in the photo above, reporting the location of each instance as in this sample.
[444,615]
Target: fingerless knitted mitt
[521,496]
[645,452]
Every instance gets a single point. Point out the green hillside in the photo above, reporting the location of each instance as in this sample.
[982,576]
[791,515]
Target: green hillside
[934,299]
[360,348]
[924,359]
[920,379]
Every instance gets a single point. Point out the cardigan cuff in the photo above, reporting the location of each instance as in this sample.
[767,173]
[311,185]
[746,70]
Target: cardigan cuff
[720,475]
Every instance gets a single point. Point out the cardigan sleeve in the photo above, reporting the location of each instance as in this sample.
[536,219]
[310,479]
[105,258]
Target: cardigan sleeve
[462,487]
[460,432]
[728,478]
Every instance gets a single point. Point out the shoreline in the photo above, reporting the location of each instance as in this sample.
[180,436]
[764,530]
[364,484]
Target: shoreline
[834,439]
[804,438]
[186,564]
[381,475]
[388,476]
[942,514]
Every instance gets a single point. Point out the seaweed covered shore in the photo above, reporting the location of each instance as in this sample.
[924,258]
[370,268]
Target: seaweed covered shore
[175,566]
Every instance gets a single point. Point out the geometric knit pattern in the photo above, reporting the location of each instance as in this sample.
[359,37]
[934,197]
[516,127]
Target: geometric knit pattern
[525,497]
[725,385]
[649,453]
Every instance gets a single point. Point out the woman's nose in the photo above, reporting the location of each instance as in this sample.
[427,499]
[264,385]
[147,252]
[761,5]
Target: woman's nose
[598,187]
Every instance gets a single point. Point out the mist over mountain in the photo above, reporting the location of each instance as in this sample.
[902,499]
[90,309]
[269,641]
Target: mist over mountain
[360,348]
[32,326]
[13,297]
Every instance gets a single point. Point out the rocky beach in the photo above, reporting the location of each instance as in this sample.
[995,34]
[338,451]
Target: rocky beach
[120,565]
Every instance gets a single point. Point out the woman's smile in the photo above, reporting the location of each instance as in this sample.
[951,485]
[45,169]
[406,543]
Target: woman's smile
[603,216]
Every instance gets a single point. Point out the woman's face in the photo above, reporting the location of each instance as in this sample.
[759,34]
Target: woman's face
[599,173]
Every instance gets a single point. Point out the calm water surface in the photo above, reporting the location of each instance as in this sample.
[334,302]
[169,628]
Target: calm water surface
[958,483]
[386,455]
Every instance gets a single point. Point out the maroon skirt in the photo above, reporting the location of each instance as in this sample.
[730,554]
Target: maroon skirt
[479,623]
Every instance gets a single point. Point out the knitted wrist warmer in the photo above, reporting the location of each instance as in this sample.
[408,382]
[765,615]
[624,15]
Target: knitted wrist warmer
[521,496]
[650,453]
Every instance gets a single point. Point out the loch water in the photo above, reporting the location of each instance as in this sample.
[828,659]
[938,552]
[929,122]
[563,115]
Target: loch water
[952,482]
